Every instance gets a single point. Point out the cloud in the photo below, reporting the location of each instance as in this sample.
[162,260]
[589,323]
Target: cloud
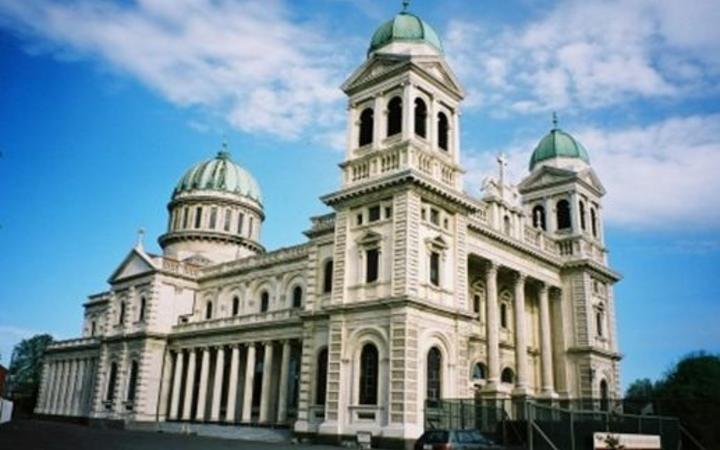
[590,54]
[247,61]
[659,176]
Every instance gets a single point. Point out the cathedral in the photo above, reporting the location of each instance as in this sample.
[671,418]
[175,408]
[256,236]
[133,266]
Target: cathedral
[409,291]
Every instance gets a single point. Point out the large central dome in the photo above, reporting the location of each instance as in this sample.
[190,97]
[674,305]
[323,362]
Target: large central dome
[220,174]
[404,27]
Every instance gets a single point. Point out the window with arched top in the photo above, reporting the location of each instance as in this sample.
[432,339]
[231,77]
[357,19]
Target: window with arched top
[141,312]
[507,375]
[581,210]
[563,215]
[367,119]
[227,219]
[443,130]
[112,381]
[479,372]
[369,372]
[600,322]
[433,382]
[132,381]
[604,395]
[327,276]
[208,310]
[264,301]
[507,225]
[321,377]
[420,117]
[297,297]
[198,217]
[394,117]
[503,315]
[235,306]
[121,313]
[593,222]
[538,217]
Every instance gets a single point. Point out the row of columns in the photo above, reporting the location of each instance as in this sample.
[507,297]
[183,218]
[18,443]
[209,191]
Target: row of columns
[493,335]
[66,387]
[265,414]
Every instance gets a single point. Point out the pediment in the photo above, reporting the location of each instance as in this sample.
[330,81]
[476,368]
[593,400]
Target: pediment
[371,70]
[370,238]
[135,263]
[442,72]
[547,176]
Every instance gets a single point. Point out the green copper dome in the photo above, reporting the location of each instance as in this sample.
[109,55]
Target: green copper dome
[404,27]
[558,144]
[220,174]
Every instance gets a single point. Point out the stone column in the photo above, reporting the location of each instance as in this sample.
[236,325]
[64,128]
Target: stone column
[57,390]
[65,375]
[408,111]
[218,384]
[177,380]
[48,393]
[455,136]
[493,336]
[79,387]
[249,382]
[202,391]
[189,385]
[548,388]
[433,123]
[283,388]
[378,121]
[266,383]
[233,384]
[521,385]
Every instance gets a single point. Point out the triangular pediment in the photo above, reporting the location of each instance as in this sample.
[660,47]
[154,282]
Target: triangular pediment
[548,176]
[135,263]
[370,238]
[371,70]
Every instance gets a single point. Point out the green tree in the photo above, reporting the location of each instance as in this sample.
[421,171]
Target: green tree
[640,390]
[26,367]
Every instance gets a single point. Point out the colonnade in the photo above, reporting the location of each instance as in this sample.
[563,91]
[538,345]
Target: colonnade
[522,386]
[214,396]
[67,386]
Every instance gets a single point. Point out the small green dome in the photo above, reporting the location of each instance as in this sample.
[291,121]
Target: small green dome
[558,144]
[404,27]
[220,174]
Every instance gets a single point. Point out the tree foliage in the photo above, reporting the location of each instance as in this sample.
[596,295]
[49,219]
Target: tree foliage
[26,366]
[690,391]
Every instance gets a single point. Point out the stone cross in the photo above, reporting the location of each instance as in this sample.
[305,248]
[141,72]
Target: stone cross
[140,237]
[502,163]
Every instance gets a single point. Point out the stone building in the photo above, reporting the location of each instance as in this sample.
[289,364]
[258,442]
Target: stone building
[411,290]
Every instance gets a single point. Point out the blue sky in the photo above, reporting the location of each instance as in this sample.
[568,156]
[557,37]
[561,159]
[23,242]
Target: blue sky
[103,105]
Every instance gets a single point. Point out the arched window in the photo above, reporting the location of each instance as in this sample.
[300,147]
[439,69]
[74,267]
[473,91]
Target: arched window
[367,119]
[132,381]
[235,306]
[563,215]
[507,375]
[372,265]
[503,315]
[582,214]
[297,297]
[443,131]
[369,371]
[141,313]
[208,310]
[228,218]
[394,124]
[112,380]
[479,371]
[321,378]
[213,217]
[327,277]
[264,301]
[507,226]
[186,215]
[599,320]
[420,117]
[604,396]
[198,217]
[538,214]
[241,219]
[434,376]
[593,221]
[121,314]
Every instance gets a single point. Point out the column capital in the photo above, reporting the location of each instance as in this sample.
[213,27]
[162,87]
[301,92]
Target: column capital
[520,277]
[249,344]
[491,267]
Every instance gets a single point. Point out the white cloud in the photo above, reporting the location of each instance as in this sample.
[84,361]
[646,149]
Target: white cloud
[245,60]
[662,175]
[590,54]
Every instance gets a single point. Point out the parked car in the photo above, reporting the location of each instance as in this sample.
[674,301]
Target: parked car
[455,440]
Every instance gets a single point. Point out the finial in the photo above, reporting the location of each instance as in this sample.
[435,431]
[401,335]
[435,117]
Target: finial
[555,120]
[224,153]
[140,237]
[406,4]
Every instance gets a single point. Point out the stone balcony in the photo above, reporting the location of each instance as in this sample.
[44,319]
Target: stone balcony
[73,344]
[246,320]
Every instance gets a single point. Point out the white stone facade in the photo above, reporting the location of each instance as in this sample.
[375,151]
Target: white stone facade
[409,290]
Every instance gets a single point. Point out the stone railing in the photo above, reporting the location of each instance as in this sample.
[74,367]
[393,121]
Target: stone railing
[580,247]
[235,321]
[179,267]
[73,343]
[271,258]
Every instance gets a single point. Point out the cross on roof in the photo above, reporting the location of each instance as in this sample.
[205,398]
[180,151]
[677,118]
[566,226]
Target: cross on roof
[502,164]
[140,237]
[406,4]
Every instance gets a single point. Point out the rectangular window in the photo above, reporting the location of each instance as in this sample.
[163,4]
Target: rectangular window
[213,218]
[198,217]
[185,218]
[372,265]
[435,268]
[241,218]
[388,212]
[250,228]
[434,216]
[360,219]
[374,214]
[228,216]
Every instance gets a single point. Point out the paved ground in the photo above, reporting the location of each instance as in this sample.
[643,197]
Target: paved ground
[39,435]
